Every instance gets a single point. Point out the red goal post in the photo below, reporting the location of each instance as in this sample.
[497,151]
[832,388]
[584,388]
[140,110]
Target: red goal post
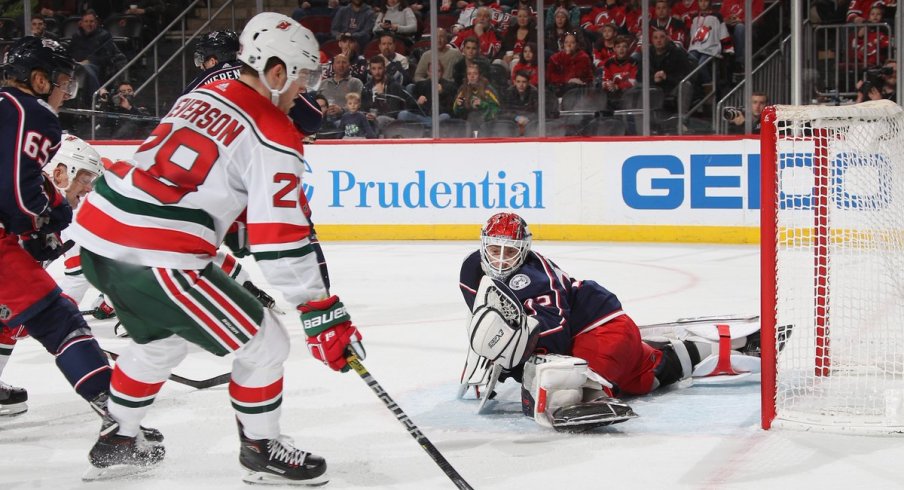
[832,267]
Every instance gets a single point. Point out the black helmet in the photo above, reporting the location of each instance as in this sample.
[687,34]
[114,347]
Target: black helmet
[34,53]
[220,44]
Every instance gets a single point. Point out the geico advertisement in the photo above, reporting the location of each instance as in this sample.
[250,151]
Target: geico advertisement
[687,182]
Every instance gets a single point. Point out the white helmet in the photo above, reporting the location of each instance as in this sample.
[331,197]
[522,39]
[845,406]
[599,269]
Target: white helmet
[273,35]
[75,154]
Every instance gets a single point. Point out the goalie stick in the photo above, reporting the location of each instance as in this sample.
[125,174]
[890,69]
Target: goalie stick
[413,430]
[198,384]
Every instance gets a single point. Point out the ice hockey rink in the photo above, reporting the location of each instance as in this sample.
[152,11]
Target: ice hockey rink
[404,296]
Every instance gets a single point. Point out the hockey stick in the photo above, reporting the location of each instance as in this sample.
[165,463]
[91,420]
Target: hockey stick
[198,384]
[415,432]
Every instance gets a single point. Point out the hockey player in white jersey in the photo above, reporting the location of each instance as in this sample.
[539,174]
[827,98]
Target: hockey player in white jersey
[150,231]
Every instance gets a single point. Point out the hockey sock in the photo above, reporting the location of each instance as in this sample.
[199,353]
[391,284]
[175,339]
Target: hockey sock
[257,408]
[130,400]
[84,365]
[8,338]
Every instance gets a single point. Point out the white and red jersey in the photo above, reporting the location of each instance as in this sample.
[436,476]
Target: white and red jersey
[622,73]
[221,150]
[498,18]
[709,35]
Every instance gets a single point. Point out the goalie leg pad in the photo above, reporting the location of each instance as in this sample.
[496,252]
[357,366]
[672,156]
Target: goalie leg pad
[553,381]
[724,360]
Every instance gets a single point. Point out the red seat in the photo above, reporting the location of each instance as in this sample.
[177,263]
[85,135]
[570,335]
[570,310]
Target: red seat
[331,48]
[317,23]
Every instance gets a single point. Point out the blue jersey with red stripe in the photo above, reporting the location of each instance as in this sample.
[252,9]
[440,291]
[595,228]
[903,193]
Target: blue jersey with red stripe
[29,137]
[565,307]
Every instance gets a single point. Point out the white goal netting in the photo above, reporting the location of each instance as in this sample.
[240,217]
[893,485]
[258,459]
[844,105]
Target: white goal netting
[839,267]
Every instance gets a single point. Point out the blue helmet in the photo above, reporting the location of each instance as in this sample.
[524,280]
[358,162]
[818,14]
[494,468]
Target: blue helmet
[33,53]
[223,45]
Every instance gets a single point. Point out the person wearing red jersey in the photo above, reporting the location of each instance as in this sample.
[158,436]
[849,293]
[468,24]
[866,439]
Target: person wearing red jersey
[620,72]
[685,11]
[570,67]
[858,10]
[483,31]
[149,233]
[605,46]
[610,11]
[871,45]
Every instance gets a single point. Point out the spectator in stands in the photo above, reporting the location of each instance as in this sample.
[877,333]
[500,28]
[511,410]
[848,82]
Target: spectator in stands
[555,33]
[733,15]
[685,11]
[382,97]
[397,19]
[524,31]
[620,72]
[605,46]
[483,31]
[521,100]
[871,44]
[93,48]
[570,67]
[527,64]
[151,12]
[758,102]
[674,28]
[123,102]
[58,9]
[341,83]
[449,55]
[879,85]
[470,56]
[858,10]
[572,13]
[709,39]
[328,123]
[476,100]
[39,29]
[609,11]
[397,67]
[354,123]
[421,108]
[355,19]
[669,64]
[468,17]
[828,11]
[314,7]
[358,64]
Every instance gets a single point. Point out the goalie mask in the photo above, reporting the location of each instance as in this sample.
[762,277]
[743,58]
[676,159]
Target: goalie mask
[75,154]
[504,244]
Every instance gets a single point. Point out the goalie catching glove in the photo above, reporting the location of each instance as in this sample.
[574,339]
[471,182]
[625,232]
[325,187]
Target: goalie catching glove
[330,332]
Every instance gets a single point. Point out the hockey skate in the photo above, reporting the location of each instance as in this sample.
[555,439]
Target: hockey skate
[99,405]
[585,416]
[115,456]
[278,462]
[12,400]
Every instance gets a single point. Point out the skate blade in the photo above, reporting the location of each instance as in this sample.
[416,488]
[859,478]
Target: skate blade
[13,409]
[93,473]
[261,478]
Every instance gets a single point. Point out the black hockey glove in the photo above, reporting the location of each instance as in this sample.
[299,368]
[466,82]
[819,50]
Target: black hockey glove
[45,246]
[58,214]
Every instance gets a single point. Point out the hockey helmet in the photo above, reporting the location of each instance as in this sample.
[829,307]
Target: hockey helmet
[75,154]
[504,243]
[273,35]
[33,53]
[222,45]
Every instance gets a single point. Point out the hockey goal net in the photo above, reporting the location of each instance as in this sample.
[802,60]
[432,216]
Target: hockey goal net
[832,272]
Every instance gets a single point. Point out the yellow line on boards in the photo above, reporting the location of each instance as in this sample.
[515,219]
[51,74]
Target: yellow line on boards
[590,233]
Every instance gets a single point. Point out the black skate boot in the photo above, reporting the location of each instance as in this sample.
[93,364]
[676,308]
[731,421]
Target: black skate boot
[12,400]
[99,404]
[278,462]
[115,455]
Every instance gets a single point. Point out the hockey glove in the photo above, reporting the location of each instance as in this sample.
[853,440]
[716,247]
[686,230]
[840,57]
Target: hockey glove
[102,310]
[44,246]
[58,214]
[330,332]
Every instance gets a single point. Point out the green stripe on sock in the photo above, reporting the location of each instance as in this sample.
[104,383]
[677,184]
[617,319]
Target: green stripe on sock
[298,252]
[258,409]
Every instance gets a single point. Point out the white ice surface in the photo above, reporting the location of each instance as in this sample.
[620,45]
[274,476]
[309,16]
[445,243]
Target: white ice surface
[404,296]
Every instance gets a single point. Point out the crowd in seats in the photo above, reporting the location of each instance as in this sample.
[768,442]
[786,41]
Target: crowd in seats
[489,60]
